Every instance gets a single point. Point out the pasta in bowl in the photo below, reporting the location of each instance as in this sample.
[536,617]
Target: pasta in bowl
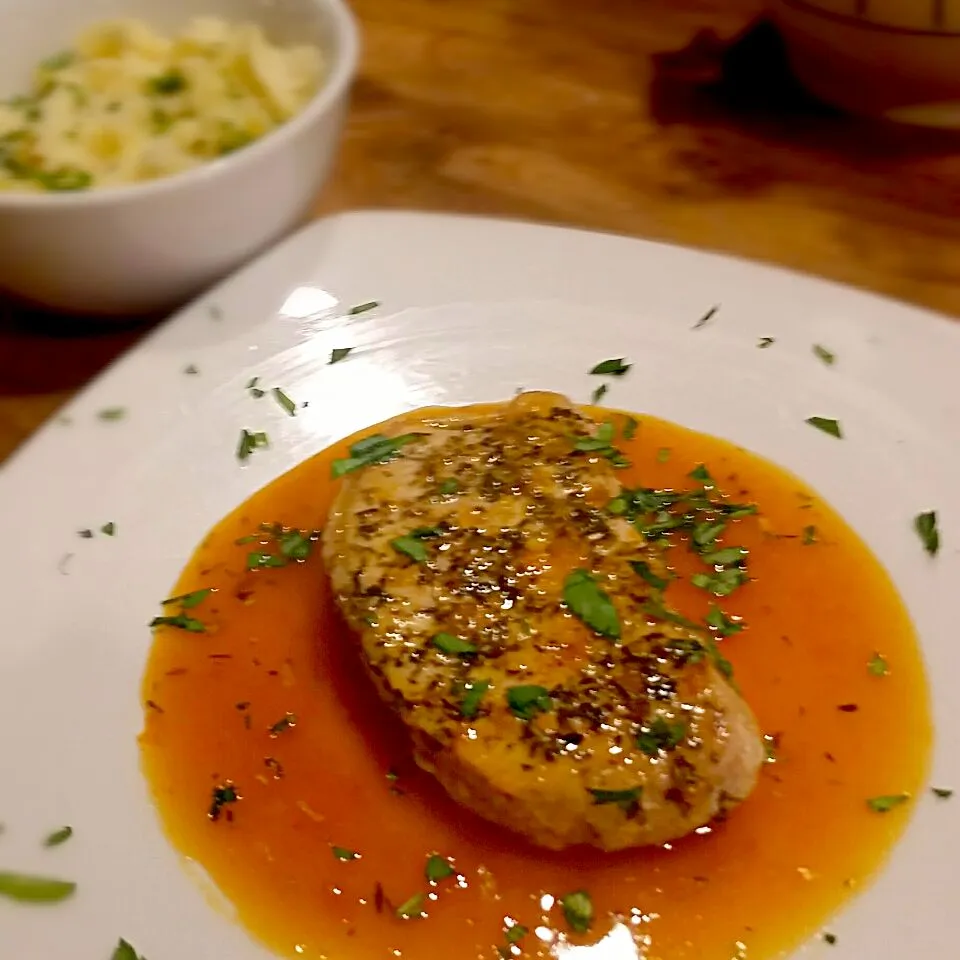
[126,104]
[155,154]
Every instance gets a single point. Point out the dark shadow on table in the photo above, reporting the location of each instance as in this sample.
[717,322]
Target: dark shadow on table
[752,125]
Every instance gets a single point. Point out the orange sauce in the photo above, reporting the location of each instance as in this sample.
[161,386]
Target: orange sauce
[757,884]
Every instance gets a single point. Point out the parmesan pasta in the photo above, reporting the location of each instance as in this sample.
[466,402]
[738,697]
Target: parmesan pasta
[126,104]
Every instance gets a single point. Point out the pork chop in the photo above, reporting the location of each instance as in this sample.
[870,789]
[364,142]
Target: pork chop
[497,606]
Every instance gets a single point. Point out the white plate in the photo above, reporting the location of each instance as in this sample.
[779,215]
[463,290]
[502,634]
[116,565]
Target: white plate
[472,310]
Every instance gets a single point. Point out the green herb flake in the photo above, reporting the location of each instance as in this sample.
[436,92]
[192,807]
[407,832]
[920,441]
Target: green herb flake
[448,487]
[878,666]
[124,951]
[339,353]
[717,620]
[925,524]
[58,61]
[342,853]
[411,909]
[260,560]
[222,796]
[809,535]
[58,836]
[630,426]
[363,308]
[474,692]
[599,393]
[181,622]
[438,868]
[663,454]
[166,84]
[586,600]
[370,450]
[286,722]
[830,938]
[721,583]
[526,701]
[577,910]
[191,369]
[643,568]
[26,888]
[702,475]
[611,368]
[941,793]
[516,933]
[112,413]
[725,557]
[828,426]
[85,534]
[884,804]
[626,800]
[765,342]
[249,442]
[448,643]
[706,318]
[284,401]
[109,529]
[412,547]
[661,735]
[704,534]
[822,353]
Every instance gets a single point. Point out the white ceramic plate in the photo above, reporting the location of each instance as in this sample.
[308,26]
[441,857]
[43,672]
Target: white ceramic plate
[471,310]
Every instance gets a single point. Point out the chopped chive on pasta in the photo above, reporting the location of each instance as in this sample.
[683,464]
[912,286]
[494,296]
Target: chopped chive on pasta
[126,104]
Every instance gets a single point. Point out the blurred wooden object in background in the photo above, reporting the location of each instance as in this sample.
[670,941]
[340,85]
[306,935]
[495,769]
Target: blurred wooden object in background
[675,120]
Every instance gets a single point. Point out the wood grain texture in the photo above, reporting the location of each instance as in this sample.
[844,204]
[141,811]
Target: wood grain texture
[669,119]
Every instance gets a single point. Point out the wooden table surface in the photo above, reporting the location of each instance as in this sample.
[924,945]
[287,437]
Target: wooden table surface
[669,119]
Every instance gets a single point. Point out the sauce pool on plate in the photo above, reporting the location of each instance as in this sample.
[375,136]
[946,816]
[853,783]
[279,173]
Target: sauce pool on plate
[275,766]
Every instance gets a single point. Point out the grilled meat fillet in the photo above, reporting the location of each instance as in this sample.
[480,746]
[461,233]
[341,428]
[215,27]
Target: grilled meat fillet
[540,677]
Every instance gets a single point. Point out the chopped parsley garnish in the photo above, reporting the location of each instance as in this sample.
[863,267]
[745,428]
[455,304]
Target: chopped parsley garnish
[250,442]
[112,413]
[719,621]
[339,353]
[721,583]
[830,938]
[255,391]
[704,534]
[259,560]
[526,701]
[173,81]
[586,600]
[878,666]
[661,735]
[725,557]
[448,643]
[643,568]
[124,951]
[577,910]
[630,426]
[449,486]
[410,546]
[809,535]
[181,621]
[663,454]
[31,889]
[85,534]
[925,525]
[516,933]
[191,369]
[601,440]
[611,368]
[373,449]
[288,405]
[286,722]
[411,909]
[342,853]
[58,836]
[942,793]
[473,693]
[627,800]
[438,868]
[296,544]
[765,342]
[822,353]
[885,804]
[363,308]
[701,474]
[599,393]
[706,318]
[831,427]
[109,528]
[222,795]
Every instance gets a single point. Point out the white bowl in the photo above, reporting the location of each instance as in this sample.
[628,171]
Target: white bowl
[139,248]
